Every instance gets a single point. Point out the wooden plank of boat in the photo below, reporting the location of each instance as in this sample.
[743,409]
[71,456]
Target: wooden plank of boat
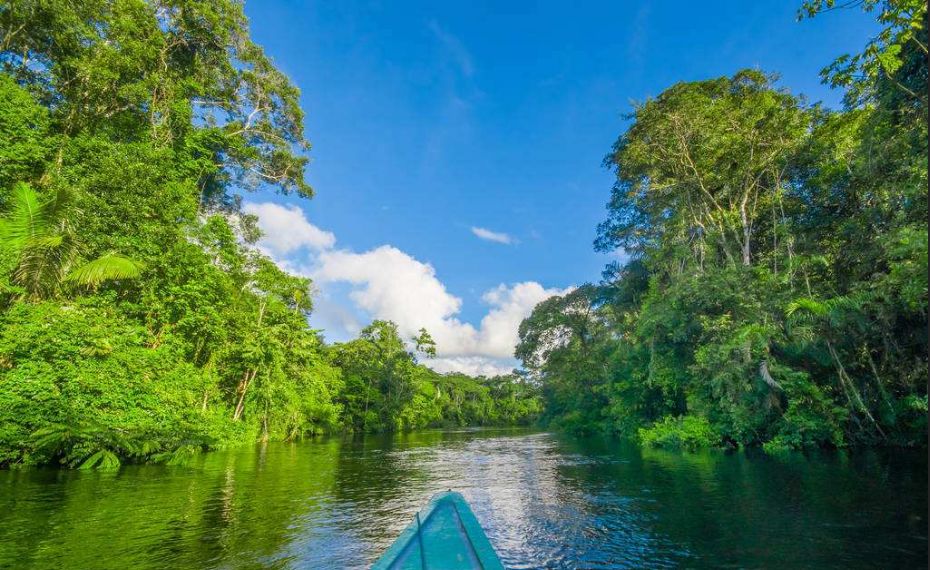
[445,534]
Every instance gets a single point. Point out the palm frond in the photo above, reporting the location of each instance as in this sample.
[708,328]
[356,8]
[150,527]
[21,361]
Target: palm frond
[833,308]
[46,241]
[62,203]
[42,264]
[29,217]
[105,268]
[806,305]
[37,231]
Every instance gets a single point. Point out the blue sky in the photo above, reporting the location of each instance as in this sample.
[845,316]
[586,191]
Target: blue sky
[457,146]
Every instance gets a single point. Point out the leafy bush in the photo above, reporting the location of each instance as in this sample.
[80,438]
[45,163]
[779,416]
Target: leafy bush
[80,387]
[812,418]
[684,432]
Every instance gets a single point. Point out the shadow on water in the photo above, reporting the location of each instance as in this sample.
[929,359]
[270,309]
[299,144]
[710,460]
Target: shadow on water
[546,501]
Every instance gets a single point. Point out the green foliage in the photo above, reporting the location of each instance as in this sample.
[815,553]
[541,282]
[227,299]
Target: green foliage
[38,232]
[685,432]
[138,321]
[776,291]
[24,128]
[81,379]
[386,389]
[903,27]
[812,417]
[563,342]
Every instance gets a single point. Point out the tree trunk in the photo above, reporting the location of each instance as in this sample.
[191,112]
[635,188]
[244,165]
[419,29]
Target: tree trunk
[767,377]
[747,233]
[264,437]
[241,390]
[878,379]
[850,388]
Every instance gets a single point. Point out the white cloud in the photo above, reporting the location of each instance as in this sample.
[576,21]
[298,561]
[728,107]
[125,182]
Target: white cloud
[489,235]
[510,305]
[387,283]
[286,228]
[473,365]
[334,318]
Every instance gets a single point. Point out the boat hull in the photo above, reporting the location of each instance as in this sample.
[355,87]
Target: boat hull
[445,534]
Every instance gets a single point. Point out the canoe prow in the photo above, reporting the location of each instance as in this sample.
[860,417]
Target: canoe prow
[445,534]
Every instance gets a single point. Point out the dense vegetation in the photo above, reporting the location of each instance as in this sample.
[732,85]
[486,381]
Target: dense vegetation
[774,288]
[137,320]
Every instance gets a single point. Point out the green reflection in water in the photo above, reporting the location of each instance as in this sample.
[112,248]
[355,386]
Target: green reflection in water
[545,501]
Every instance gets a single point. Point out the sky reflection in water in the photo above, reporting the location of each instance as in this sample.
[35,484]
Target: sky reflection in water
[545,501]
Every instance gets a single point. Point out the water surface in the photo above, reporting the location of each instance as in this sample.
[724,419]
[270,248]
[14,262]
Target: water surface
[546,501]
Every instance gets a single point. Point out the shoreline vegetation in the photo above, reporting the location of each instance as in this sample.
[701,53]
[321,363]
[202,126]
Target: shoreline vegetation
[138,322]
[773,291]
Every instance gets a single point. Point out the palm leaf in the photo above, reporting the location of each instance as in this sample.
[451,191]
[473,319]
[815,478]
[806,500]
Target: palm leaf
[61,204]
[806,305]
[29,218]
[42,264]
[834,311]
[38,232]
[105,268]
[47,241]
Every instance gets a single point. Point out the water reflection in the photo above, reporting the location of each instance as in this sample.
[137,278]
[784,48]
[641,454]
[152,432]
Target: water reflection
[546,501]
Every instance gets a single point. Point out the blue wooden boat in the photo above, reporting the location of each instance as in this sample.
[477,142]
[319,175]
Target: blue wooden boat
[446,535]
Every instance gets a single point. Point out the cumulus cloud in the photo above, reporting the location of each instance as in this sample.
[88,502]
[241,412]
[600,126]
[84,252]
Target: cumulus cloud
[287,229]
[335,318]
[488,235]
[509,306]
[387,283]
[473,365]
[390,284]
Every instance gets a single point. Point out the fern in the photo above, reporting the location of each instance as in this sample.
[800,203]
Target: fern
[103,460]
[53,437]
[182,455]
[806,305]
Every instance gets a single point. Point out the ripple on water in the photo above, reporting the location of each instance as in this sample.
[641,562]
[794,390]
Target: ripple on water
[545,502]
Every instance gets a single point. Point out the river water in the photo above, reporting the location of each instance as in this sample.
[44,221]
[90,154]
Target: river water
[546,501]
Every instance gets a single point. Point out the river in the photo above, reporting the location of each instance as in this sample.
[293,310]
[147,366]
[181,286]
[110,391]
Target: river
[546,501]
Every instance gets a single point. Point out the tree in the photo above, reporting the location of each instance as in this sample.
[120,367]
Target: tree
[562,347]
[775,291]
[702,168]
[183,74]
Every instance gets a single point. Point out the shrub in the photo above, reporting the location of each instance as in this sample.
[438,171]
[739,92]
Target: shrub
[685,432]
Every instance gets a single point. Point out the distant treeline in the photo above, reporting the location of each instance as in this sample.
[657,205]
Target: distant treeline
[137,320]
[773,288]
